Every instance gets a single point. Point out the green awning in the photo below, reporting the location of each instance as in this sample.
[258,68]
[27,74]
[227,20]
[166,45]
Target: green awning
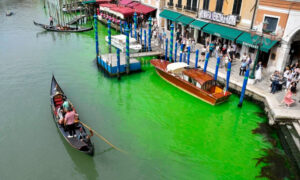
[198,24]
[184,20]
[171,15]
[245,39]
[88,1]
[222,31]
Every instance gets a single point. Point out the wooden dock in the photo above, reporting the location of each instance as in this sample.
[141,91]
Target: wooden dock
[77,18]
[108,62]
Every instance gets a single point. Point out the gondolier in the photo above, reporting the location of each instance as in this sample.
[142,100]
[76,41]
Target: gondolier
[51,21]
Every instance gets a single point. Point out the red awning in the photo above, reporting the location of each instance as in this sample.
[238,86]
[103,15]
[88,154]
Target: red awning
[132,4]
[103,1]
[143,9]
[125,2]
[108,5]
[124,10]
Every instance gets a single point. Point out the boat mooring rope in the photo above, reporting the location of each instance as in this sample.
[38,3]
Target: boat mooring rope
[105,140]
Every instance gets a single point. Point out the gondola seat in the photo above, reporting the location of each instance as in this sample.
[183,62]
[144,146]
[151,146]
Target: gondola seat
[58,101]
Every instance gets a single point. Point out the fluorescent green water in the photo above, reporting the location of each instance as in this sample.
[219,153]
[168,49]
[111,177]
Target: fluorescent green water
[167,133]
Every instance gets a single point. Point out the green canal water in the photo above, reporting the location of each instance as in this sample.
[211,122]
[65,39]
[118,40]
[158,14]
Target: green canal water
[167,133]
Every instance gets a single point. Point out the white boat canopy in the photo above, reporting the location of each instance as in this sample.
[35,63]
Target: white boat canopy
[176,67]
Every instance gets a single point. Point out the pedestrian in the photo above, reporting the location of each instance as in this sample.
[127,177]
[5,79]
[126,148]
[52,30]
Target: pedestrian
[287,100]
[51,21]
[203,52]
[211,48]
[249,61]
[207,40]
[177,34]
[193,45]
[258,71]
[183,43]
[224,49]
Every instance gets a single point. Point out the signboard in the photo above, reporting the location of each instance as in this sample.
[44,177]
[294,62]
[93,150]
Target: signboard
[250,45]
[218,17]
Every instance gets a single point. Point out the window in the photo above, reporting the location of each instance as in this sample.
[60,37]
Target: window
[179,5]
[205,4]
[219,5]
[188,4]
[272,23]
[194,5]
[237,7]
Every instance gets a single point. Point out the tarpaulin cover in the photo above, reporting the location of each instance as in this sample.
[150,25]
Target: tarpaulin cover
[108,5]
[132,4]
[103,1]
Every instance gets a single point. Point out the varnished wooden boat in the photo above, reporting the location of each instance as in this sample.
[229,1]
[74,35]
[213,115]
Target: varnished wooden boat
[62,29]
[192,81]
[82,141]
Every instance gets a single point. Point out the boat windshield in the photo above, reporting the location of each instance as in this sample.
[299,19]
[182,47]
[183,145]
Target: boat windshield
[208,85]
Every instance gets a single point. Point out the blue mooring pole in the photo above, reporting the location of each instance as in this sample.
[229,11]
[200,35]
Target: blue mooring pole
[149,33]
[135,25]
[130,29]
[188,55]
[121,27]
[109,35]
[145,40]
[96,34]
[141,36]
[166,53]
[180,57]
[118,62]
[171,42]
[206,62]
[228,75]
[217,67]
[196,59]
[127,51]
[175,55]
[244,88]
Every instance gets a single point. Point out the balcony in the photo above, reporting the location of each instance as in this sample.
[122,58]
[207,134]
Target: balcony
[179,6]
[191,9]
[170,4]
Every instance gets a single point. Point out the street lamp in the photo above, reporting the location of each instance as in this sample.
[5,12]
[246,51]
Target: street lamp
[260,40]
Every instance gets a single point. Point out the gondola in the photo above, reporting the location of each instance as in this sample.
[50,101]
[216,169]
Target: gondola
[81,141]
[62,29]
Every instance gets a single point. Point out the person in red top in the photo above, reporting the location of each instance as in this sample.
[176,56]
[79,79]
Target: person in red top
[69,122]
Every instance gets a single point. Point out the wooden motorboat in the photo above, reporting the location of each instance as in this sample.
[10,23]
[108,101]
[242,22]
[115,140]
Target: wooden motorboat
[62,29]
[192,81]
[119,41]
[82,141]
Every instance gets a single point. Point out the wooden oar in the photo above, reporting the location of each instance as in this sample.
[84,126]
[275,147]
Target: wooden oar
[105,140]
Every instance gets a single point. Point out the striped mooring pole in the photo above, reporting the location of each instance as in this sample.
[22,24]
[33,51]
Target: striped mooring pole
[109,35]
[149,33]
[141,36]
[118,63]
[175,54]
[166,53]
[180,57]
[171,42]
[188,55]
[130,30]
[135,25]
[217,67]
[121,27]
[96,34]
[206,62]
[244,88]
[145,40]
[196,59]
[127,51]
[228,75]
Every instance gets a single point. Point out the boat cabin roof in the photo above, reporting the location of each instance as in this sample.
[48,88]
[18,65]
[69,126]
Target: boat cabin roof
[198,75]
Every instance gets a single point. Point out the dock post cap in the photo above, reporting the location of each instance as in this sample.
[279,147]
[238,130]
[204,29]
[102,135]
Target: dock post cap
[95,16]
[135,14]
[108,22]
[172,25]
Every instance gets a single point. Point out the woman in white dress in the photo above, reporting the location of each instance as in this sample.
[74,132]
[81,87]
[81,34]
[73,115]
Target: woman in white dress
[258,71]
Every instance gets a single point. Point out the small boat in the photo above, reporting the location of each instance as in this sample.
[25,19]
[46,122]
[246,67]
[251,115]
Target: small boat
[82,144]
[62,29]
[192,81]
[9,13]
[119,41]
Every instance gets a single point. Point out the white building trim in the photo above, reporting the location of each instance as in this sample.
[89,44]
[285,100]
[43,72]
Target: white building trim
[273,9]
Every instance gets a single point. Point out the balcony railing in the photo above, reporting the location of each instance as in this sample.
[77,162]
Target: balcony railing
[170,4]
[179,5]
[189,8]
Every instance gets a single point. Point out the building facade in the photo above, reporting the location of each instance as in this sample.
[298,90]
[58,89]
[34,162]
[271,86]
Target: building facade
[283,17]
[158,5]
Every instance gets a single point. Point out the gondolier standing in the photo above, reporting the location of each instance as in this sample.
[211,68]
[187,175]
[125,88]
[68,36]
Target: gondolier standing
[51,21]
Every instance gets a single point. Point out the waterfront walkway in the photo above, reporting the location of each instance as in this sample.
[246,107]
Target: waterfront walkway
[259,91]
